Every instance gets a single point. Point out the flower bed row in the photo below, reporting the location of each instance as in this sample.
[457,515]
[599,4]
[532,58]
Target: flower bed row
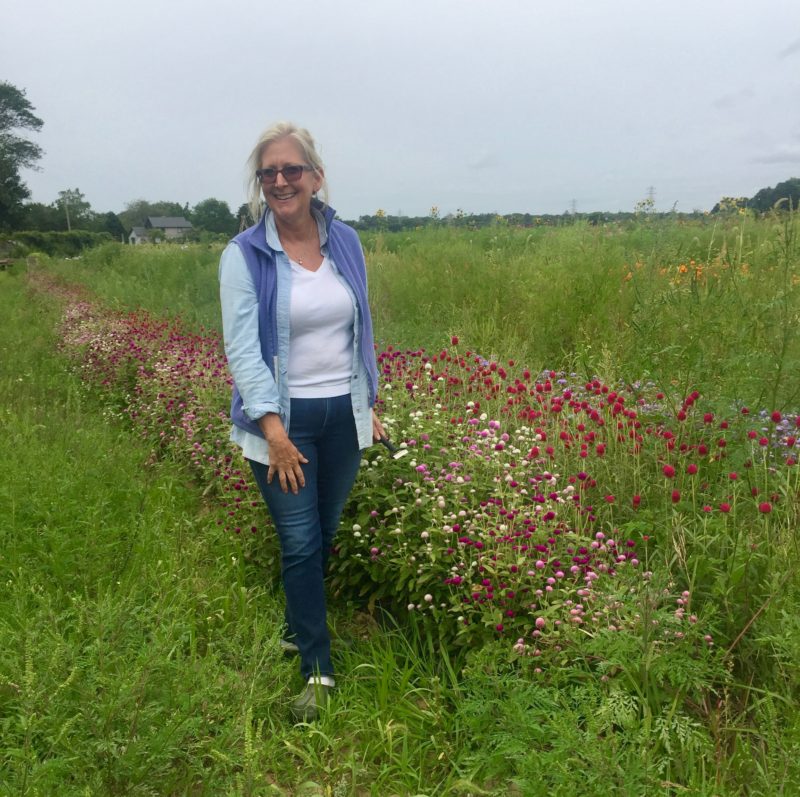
[537,509]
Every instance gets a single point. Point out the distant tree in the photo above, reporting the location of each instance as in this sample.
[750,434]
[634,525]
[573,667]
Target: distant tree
[766,198]
[16,152]
[42,218]
[214,215]
[76,210]
[110,223]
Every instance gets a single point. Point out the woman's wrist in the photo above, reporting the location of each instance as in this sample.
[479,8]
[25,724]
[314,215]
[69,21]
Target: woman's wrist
[271,426]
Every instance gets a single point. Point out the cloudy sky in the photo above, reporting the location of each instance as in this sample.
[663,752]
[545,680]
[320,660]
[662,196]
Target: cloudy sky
[484,105]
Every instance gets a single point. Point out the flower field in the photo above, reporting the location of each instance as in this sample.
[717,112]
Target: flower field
[568,525]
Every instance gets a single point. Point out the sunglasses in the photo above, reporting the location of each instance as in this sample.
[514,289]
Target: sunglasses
[290,173]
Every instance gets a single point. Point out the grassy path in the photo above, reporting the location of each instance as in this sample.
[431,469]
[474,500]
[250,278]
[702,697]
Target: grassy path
[133,655]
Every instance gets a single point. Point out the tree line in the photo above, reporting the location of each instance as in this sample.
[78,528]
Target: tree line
[71,211]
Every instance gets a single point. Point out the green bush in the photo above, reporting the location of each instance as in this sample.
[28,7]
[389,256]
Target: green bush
[55,244]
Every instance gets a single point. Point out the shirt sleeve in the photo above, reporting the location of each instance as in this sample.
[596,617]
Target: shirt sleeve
[239,304]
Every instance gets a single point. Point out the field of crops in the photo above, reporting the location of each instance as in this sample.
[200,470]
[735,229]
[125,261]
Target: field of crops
[579,579]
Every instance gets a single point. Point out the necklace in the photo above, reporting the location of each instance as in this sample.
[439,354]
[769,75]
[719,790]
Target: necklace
[299,256]
[298,260]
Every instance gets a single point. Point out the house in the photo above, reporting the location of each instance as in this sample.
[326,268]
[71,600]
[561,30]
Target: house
[139,235]
[160,228]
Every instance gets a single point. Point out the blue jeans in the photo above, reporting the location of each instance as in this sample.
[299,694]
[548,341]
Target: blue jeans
[324,431]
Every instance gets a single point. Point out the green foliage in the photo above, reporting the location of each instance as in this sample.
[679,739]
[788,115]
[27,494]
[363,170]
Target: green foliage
[787,192]
[76,209]
[42,218]
[16,152]
[566,731]
[56,244]
[214,215]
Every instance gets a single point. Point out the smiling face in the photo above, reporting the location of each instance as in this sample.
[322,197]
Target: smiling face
[289,201]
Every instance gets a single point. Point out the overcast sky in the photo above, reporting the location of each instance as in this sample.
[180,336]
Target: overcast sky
[484,105]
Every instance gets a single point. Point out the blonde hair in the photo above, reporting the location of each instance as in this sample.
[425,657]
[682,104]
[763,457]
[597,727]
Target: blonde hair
[272,134]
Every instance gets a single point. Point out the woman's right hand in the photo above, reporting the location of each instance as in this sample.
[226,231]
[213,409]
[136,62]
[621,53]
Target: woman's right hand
[285,459]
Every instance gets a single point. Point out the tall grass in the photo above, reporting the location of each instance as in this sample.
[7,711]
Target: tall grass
[710,304]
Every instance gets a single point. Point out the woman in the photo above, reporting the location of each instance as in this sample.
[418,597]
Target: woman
[298,337]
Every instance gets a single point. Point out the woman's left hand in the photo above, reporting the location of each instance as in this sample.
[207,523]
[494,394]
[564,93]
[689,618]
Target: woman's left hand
[377,428]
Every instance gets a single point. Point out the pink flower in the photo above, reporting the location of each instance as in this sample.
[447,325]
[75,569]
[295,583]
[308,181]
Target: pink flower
[676,496]
[765,507]
[691,469]
[776,417]
[723,507]
[669,471]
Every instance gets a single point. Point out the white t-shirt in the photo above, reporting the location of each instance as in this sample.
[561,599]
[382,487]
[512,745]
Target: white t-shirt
[321,318]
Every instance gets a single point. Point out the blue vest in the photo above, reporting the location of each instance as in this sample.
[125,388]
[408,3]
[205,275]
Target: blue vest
[345,251]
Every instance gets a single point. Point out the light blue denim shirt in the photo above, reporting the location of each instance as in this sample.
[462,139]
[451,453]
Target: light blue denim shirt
[261,391]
